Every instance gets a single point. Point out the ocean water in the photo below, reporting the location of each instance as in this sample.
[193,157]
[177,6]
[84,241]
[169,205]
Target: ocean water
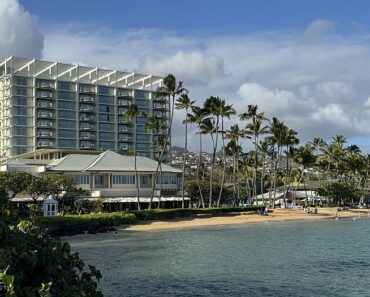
[313,258]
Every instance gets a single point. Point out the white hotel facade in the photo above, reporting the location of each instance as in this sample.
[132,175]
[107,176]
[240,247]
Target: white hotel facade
[50,109]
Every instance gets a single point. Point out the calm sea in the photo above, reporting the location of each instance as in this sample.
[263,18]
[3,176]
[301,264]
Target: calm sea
[316,258]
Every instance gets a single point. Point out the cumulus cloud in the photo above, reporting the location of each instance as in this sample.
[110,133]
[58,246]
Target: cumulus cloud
[19,33]
[318,30]
[193,67]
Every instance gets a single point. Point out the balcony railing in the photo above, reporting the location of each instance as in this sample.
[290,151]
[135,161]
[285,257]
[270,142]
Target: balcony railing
[87,108]
[45,124]
[46,134]
[44,143]
[87,145]
[124,102]
[45,104]
[87,89]
[124,129]
[87,118]
[45,115]
[87,127]
[87,136]
[159,106]
[47,85]
[84,98]
[45,95]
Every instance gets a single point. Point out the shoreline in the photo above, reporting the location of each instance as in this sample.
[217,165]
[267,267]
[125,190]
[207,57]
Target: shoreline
[274,215]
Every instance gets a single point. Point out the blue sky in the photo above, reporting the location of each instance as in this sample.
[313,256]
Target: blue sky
[304,61]
[208,16]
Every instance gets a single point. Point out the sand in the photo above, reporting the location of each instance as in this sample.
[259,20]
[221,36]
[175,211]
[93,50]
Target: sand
[233,219]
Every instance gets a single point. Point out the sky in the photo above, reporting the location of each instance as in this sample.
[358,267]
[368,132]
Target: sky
[306,62]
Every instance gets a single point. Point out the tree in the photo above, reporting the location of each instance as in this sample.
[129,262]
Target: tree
[15,182]
[184,102]
[170,89]
[132,114]
[37,187]
[225,112]
[213,107]
[156,124]
[255,129]
[198,116]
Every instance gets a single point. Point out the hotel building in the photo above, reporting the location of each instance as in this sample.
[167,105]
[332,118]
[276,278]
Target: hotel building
[51,109]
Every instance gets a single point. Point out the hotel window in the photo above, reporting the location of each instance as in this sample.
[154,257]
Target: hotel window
[82,179]
[143,137]
[106,145]
[21,131]
[106,118]
[65,86]
[106,136]
[144,180]
[106,99]
[106,108]
[66,105]
[106,127]
[142,103]
[67,143]
[142,94]
[21,91]
[105,91]
[20,150]
[66,95]
[99,179]
[67,133]
[67,124]
[20,110]
[65,114]
[20,140]
[21,100]
[20,81]
[20,121]
[123,179]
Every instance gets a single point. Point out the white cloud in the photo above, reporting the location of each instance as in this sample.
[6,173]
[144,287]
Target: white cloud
[19,33]
[318,30]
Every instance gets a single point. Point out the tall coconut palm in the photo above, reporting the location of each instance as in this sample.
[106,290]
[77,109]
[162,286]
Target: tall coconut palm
[225,112]
[170,89]
[132,114]
[255,128]
[156,124]
[198,117]
[265,150]
[212,105]
[184,102]
[305,156]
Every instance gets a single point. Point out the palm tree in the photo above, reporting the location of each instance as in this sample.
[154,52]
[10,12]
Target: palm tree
[225,112]
[197,117]
[265,150]
[170,89]
[132,114]
[212,105]
[255,129]
[305,156]
[184,102]
[156,124]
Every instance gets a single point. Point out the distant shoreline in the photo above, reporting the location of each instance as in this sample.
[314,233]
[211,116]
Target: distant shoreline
[275,215]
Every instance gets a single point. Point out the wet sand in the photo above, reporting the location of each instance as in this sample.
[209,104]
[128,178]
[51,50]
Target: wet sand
[233,219]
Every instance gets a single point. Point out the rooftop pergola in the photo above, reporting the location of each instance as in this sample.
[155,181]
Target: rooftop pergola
[78,73]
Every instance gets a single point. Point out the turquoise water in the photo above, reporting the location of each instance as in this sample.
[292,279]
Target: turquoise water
[325,258]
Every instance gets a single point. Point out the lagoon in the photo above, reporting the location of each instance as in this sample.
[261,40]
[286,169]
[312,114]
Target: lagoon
[300,258]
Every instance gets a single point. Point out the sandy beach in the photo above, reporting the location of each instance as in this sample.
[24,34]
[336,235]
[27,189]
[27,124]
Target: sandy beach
[274,215]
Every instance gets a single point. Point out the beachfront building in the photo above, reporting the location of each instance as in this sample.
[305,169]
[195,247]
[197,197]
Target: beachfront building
[51,109]
[111,177]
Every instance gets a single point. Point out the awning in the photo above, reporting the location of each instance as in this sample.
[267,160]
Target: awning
[142,199]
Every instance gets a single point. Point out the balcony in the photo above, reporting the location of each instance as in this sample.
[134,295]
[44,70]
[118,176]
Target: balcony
[87,118]
[46,124]
[45,95]
[45,85]
[46,134]
[87,136]
[87,127]
[87,108]
[160,114]
[124,93]
[87,89]
[85,98]
[124,129]
[124,147]
[45,114]
[159,106]
[45,143]
[45,104]
[125,139]
[87,145]
[124,102]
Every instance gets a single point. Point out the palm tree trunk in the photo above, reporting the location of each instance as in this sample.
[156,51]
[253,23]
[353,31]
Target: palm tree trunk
[136,174]
[262,177]
[164,147]
[213,164]
[224,165]
[184,162]
[199,165]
